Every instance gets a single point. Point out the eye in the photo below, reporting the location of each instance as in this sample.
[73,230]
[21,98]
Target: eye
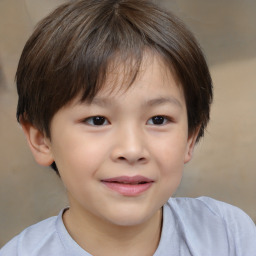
[158,120]
[96,121]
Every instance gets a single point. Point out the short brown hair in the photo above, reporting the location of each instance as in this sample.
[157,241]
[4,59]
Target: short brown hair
[70,50]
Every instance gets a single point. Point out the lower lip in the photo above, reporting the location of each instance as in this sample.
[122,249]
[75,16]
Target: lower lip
[128,189]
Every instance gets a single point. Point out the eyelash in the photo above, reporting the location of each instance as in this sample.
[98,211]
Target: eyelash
[102,121]
[160,118]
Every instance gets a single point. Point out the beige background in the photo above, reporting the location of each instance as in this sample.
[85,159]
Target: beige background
[224,166]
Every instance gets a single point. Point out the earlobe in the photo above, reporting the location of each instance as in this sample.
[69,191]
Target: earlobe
[39,144]
[190,146]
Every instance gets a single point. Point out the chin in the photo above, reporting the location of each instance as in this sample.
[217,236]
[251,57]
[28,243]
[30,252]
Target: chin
[128,221]
[125,218]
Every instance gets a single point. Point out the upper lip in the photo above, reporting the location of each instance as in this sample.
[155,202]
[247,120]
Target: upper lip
[129,180]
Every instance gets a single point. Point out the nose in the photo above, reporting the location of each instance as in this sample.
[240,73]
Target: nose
[130,147]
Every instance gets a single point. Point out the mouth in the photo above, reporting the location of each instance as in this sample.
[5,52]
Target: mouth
[128,186]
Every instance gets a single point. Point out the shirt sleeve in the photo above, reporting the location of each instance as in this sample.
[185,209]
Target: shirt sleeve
[10,249]
[241,230]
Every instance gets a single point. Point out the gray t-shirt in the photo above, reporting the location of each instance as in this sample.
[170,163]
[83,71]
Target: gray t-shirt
[198,227]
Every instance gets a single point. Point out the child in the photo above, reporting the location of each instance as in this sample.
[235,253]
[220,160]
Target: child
[114,94]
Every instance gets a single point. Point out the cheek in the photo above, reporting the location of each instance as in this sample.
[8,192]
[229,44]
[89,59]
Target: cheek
[76,166]
[79,156]
[171,167]
[170,153]
[170,163]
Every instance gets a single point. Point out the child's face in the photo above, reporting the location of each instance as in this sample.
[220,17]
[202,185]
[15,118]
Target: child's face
[104,149]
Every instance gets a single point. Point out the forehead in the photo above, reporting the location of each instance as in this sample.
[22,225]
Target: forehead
[123,76]
[154,85]
[155,88]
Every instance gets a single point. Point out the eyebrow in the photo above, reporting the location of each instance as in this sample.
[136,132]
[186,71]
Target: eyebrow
[106,102]
[102,102]
[163,100]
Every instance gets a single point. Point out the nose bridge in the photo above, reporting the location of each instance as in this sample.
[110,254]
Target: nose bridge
[130,144]
[132,138]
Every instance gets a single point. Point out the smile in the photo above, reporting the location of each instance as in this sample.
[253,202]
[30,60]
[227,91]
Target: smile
[128,186]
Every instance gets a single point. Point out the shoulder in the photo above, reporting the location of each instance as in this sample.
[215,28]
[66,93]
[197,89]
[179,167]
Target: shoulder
[33,239]
[229,214]
[216,223]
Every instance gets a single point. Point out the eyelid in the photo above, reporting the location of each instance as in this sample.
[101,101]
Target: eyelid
[89,121]
[167,120]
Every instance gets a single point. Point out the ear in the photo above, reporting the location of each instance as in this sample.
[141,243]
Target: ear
[39,144]
[191,145]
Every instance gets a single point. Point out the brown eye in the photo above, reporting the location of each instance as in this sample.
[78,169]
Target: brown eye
[96,120]
[158,120]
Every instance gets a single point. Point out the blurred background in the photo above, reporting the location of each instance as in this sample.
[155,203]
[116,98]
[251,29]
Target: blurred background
[224,165]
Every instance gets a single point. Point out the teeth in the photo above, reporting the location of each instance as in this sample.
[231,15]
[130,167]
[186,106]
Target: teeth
[131,183]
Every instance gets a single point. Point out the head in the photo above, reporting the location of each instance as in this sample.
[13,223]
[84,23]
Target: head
[72,51]
[116,93]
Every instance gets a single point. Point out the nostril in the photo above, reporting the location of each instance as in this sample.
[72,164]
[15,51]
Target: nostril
[142,159]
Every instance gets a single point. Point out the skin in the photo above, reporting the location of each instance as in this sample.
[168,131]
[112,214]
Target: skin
[128,142]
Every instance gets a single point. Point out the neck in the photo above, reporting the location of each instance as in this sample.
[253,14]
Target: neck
[90,232]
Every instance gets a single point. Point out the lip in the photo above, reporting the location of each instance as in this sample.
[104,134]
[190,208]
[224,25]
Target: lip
[128,186]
